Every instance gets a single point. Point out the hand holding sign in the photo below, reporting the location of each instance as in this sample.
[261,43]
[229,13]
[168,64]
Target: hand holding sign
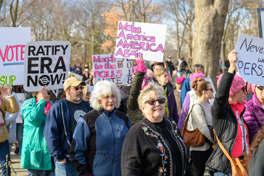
[232,57]
[8,89]
[43,94]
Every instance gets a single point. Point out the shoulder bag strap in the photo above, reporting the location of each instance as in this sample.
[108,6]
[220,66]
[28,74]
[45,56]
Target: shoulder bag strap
[222,147]
[187,118]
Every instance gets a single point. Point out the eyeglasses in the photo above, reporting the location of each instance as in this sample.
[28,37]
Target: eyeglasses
[200,80]
[77,88]
[88,93]
[210,89]
[152,102]
[260,88]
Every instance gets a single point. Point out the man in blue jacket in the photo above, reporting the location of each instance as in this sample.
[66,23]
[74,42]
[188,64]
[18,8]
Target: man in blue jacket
[61,122]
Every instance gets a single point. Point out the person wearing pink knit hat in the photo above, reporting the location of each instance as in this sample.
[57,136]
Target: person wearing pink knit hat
[254,113]
[177,92]
[228,118]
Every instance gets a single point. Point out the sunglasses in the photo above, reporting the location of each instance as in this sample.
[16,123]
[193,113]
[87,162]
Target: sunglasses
[210,89]
[77,88]
[260,88]
[152,102]
[200,80]
[88,93]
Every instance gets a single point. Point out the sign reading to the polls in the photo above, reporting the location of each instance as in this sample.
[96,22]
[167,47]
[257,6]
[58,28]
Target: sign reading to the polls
[12,49]
[116,70]
[250,54]
[46,63]
[143,40]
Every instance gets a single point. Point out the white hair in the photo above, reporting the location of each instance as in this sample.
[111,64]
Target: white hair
[103,88]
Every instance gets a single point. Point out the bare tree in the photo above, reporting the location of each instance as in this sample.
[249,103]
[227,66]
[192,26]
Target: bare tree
[209,28]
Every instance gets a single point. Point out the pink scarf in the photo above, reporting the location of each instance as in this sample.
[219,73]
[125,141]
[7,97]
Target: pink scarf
[47,107]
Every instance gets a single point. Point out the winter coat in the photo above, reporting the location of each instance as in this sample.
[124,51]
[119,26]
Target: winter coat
[144,144]
[97,143]
[257,161]
[172,105]
[177,96]
[134,112]
[10,120]
[7,106]
[35,153]
[225,125]
[254,115]
[185,88]
[57,130]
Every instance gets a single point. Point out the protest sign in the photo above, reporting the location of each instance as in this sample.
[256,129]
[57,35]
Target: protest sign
[250,54]
[116,70]
[143,40]
[46,63]
[12,49]
[21,99]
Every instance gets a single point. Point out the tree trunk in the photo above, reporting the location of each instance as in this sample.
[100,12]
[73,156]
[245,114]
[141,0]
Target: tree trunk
[210,18]
[222,55]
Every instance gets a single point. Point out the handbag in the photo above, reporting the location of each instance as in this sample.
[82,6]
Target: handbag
[239,167]
[192,138]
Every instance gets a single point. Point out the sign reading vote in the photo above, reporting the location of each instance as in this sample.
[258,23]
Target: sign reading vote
[46,64]
[116,70]
[143,40]
[250,58]
[12,49]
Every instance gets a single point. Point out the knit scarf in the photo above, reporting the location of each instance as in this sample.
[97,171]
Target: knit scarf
[166,104]
[47,107]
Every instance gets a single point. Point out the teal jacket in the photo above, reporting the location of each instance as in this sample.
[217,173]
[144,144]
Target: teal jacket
[35,153]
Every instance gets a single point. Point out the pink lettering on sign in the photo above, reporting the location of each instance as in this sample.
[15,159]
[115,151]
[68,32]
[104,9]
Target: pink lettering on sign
[131,27]
[11,53]
[106,59]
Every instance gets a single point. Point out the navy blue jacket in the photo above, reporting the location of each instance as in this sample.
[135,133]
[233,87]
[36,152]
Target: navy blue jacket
[184,89]
[97,143]
[57,130]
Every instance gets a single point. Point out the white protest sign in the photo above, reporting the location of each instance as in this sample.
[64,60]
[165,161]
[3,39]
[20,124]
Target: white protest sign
[46,63]
[116,70]
[140,40]
[250,54]
[12,49]
[21,99]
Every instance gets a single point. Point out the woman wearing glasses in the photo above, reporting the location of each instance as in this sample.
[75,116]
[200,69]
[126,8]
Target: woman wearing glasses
[227,117]
[35,155]
[162,77]
[254,113]
[154,146]
[191,98]
[98,137]
[200,118]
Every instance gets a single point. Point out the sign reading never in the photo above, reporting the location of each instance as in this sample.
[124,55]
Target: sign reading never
[46,63]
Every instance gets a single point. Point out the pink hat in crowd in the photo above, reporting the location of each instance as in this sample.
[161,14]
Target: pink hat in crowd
[193,76]
[237,84]
[180,80]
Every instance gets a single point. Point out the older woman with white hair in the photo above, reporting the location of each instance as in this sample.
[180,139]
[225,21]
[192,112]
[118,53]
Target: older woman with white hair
[154,146]
[99,135]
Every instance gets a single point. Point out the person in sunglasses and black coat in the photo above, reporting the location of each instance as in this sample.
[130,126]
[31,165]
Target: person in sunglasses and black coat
[154,146]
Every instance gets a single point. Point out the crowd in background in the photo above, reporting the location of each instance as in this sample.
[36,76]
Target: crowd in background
[137,129]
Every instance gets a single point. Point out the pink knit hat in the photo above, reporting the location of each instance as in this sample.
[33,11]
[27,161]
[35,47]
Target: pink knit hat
[237,84]
[180,80]
[193,76]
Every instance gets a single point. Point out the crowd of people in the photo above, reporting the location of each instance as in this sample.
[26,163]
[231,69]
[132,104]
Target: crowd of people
[140,129]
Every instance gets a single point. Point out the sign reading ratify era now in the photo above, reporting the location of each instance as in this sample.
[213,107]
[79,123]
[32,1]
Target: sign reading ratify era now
[12,49]
[116,70]
[46,63]
[250,54]
[143,40]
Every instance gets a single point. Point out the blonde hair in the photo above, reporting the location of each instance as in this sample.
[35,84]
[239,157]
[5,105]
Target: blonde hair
[103,88]
[151,87]
[85,89]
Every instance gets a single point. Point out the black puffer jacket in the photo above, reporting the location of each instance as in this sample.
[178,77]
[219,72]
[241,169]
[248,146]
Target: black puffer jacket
[225,125]
[134,113]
